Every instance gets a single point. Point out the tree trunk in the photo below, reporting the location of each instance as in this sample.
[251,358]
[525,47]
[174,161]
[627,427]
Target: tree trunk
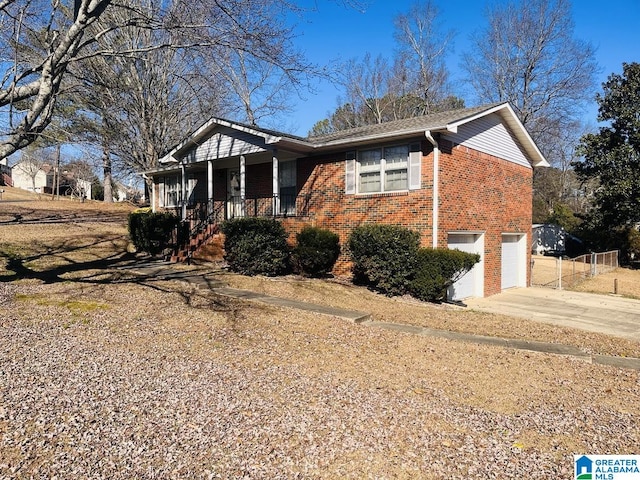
[106,169]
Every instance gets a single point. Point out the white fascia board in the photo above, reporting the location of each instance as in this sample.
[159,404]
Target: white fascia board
[205,129]
[268,138]
[195,136]
[525,139]
[166,168]
[295,145]
[514,123]
[169,158]
[453,126]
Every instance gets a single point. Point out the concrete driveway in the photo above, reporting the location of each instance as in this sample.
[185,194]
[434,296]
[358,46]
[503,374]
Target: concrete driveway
[596,313]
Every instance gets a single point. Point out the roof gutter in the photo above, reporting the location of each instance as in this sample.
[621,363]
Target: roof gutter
[436,184]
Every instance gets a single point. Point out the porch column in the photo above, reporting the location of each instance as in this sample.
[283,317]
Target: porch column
[276,184]
[184,190]
[243,184]
[209,187]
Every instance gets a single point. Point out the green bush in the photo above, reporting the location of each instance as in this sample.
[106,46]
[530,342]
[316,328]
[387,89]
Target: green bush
[437,269]
[256,246]
[316,251]
[384,257]
[150,231]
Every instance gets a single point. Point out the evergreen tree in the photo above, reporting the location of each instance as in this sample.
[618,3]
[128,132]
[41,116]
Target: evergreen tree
[613,154]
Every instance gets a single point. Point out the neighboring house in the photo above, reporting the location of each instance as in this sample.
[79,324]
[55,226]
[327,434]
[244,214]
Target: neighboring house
[29,176]
[45,179]
[5,174]
[550,239]
[120,192]
[124,193]
[462,179]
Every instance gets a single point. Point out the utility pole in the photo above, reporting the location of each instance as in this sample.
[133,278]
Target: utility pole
[57,173]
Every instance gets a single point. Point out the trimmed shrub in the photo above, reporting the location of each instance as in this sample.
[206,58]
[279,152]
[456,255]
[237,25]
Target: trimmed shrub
[437,269]
[150,231]
[256,246]
[316,251]
[384,257]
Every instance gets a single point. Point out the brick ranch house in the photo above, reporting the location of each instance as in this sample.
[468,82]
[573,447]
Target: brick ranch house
[462,179]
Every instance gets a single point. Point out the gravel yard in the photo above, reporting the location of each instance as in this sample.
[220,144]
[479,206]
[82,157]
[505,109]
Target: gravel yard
[104,374]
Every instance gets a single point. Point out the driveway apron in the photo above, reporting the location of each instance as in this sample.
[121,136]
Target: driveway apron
[607,314]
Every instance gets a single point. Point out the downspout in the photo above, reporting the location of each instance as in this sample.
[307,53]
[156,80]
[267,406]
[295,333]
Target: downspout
[436,185]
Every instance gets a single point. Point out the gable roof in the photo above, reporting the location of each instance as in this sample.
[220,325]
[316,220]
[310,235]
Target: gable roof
[442,122]
[205,131]
[408,125]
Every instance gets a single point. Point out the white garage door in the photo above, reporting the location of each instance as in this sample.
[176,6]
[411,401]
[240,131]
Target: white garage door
[471,285]
[514,259]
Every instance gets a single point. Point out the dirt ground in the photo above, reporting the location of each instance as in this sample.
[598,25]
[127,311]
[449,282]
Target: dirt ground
[621,281]
[106,374]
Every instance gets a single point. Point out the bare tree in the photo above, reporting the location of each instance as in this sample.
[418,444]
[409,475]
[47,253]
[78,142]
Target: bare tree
[366,85]
[414,83]
[420,69]
[261,90]
[528,56]
[38,41]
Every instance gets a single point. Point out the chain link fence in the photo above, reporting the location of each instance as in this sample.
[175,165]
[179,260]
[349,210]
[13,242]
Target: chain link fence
[557,272]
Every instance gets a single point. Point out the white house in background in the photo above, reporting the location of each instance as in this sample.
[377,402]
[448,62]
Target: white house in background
[29,176]
[123,193]
[26,174]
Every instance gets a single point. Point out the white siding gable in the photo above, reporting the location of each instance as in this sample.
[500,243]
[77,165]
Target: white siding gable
[489,135]
[224,144]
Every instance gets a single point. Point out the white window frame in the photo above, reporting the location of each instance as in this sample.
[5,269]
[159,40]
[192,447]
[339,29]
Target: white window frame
[354,169]
[384,168]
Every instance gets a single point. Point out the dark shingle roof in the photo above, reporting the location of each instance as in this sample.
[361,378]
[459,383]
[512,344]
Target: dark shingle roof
[426,122]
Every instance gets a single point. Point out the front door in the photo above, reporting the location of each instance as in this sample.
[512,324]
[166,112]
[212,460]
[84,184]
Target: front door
[234,199]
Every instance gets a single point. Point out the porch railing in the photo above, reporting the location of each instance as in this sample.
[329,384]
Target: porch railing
[213,212]
[199,217]
[268,206]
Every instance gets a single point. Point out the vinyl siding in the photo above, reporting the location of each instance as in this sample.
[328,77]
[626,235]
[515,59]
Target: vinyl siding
[489,135]
[223,145]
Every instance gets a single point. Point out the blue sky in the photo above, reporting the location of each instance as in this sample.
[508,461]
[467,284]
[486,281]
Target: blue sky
[333,32]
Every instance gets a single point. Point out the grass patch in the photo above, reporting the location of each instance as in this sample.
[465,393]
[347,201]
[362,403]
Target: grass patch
[74,306]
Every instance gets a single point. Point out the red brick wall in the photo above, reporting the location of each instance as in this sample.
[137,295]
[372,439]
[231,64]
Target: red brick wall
[323,179]
[482,193]
[478,193]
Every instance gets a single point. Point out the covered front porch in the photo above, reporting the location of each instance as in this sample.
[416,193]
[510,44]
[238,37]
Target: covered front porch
[227,170]
[229,189]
